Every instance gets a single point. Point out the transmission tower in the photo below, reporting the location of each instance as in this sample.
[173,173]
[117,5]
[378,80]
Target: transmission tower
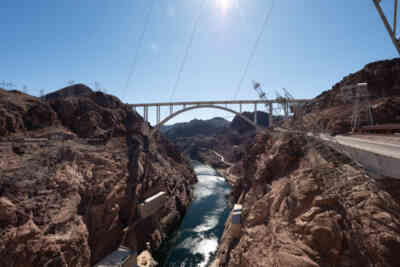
[286,105]
[390,29]
[7,85]
[260,92]
[263,95]
[361,100]
[281,102]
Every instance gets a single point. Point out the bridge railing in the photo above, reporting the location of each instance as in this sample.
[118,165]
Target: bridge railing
[219,102]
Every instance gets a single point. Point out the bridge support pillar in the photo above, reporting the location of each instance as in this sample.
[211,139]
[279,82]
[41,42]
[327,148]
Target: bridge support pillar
[270,116]
[158,114]
[146,113]
[171,109]
[255,113]
[286,109]
[240,107]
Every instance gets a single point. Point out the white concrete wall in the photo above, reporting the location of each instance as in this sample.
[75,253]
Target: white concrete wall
[236,221]
[152,205]
[122,257]
[380,164]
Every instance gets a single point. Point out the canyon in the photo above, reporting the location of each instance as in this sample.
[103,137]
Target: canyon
[76,164]
[305,203]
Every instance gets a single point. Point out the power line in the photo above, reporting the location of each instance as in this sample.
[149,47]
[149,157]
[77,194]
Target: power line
[267,16]
[187,50]
[141,37]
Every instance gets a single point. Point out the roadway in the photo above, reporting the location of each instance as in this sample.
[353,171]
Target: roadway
[381,147]
[378,154]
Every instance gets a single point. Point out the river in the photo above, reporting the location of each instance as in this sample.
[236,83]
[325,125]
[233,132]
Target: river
[196,240]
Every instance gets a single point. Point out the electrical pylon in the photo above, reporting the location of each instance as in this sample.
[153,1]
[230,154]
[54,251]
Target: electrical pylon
[390,29]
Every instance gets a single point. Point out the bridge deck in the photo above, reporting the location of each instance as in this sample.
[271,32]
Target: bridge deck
[222,102]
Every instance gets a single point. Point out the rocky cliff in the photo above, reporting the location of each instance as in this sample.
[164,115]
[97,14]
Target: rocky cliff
[332,110]
[307,205]
[195,128]
[74,166]
[240,125]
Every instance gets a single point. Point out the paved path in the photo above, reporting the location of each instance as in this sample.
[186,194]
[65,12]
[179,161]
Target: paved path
[382,148]
[377,156]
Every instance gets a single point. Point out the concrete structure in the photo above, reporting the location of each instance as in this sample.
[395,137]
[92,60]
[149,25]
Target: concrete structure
[377,157]
[122,257]
[223,105]
[236,220]
[152,204]
[374,162]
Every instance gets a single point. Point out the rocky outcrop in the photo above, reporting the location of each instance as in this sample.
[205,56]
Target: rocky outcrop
[307,205]
[75,90]
[93,115]
[332,110]
[70,201]
[241,126]
[195,128]
[20,113]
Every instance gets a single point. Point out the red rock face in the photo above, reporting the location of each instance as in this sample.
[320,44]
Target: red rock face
[20,113]
[309,206]
[67,202]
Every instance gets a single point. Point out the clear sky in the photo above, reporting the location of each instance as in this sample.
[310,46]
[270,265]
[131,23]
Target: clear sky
[307,46]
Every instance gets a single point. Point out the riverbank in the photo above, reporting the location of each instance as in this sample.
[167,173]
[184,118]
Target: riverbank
[229,177]
[226,172]
[196,240]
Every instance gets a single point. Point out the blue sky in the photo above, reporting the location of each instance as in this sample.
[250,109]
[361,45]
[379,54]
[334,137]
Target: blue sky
[307,46]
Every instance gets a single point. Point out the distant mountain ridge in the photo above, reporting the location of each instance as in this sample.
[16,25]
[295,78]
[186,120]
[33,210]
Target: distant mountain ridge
[195,127]
[213,126]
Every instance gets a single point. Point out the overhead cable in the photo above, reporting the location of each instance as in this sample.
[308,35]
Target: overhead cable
[187,51]
[141,37]
[252,53]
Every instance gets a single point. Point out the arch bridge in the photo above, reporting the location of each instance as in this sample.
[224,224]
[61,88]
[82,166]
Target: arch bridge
[232,106]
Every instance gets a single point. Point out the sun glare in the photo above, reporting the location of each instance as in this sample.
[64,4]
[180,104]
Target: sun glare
[224,5]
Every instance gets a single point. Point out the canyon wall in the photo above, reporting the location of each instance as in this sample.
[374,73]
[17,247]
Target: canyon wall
[307,205]
[74,166]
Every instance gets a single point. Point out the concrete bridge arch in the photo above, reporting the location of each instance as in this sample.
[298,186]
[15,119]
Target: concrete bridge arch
[173,115]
